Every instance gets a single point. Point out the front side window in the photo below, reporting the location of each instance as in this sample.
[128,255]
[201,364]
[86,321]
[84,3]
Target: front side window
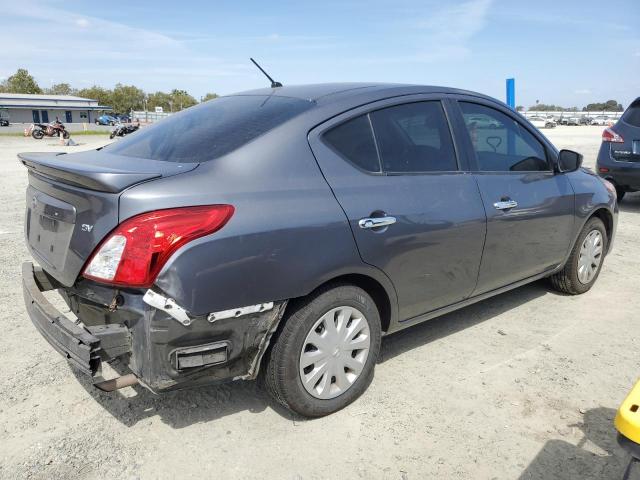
[414,138]
[500,143]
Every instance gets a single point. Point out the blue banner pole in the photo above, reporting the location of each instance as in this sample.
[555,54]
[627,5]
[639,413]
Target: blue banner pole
[511,93]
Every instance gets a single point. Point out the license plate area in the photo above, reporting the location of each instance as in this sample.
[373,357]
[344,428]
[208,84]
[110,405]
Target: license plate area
[49,225]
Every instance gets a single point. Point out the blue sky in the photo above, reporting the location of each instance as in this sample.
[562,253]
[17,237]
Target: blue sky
[564,52]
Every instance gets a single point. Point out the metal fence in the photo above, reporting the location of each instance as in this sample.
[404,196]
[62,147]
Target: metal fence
[614,116]
[148,117]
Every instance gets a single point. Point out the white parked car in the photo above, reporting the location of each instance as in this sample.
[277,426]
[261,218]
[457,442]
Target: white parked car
[541,122]
[602,120]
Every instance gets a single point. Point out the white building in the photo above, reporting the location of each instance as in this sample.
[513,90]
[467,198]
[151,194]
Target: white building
[27,108]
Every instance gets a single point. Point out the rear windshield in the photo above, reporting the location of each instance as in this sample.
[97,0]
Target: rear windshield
[632,115]
[211,129]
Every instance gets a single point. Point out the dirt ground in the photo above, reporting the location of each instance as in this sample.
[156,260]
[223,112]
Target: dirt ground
[524,385]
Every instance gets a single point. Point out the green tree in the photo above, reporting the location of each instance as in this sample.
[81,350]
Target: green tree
[209,96]
[181,100]
[519,108]
[126,98]
[159,99]
[20,82]
[60,89]
[102,95]
[542,107]
[609,105]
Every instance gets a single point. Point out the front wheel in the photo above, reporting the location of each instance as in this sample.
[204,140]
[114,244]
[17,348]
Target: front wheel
[112,135]
[65,134]
[585,261]
[325,353]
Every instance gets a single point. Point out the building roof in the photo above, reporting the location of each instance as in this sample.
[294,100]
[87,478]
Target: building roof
[50,102]
[36,97]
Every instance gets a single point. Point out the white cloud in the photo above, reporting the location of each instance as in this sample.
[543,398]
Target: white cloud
[582,91]
[82,22]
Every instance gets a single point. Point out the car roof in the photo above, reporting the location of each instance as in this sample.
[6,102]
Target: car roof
[323,93]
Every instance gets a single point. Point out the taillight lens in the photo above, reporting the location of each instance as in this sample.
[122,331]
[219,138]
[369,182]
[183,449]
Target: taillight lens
[609,135]
[135,252]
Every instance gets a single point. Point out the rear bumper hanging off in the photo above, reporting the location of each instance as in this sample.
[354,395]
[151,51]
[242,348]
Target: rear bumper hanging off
[84,348]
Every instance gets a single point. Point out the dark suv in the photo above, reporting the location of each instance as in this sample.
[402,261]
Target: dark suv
[619,156]
[284,231]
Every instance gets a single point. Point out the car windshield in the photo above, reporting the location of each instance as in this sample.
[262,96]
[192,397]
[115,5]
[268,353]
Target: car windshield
[211,129]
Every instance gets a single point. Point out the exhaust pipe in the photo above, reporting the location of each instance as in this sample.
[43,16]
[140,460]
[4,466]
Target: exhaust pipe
[117,383]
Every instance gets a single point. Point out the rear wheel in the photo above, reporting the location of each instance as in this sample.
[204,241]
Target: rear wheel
[37,134]
[585,261]
[325,353]
[620,191]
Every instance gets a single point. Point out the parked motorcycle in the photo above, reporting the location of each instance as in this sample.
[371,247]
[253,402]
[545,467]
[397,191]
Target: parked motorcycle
[53,129]
[121,129]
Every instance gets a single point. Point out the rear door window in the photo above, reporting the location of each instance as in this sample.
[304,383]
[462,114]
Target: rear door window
[353,140]
[211,129]
[500,143]
[414,138]
[632,115]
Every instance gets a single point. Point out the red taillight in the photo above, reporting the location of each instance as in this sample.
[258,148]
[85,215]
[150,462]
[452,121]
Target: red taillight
[603,170]
[609,135]
[133,254]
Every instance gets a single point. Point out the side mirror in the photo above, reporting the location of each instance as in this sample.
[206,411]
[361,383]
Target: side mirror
[569,161]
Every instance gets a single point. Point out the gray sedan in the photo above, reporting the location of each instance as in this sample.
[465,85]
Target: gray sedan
[282,232]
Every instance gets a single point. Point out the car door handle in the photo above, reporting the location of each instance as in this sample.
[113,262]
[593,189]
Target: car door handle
[376,222]
[505,204]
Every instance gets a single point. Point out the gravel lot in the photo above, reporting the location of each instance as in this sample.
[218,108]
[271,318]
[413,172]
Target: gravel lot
[524,385]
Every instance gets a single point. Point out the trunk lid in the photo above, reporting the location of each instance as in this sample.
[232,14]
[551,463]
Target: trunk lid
[72,203]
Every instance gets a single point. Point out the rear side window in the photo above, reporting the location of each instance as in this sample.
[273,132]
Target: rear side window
[210,130]
[354,141]
[414,138]
[632,115]
[502,144]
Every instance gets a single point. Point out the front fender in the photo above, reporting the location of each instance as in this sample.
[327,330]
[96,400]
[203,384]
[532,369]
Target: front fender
[592,197]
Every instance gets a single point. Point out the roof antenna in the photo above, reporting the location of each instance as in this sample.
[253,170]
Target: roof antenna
[274,84]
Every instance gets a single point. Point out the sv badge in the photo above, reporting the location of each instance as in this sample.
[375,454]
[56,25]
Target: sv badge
[86,227]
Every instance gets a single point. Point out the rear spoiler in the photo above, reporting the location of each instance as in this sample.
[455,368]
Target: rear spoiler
[99,171]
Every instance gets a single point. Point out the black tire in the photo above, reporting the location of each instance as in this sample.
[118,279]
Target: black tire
[566,280]
[281,375]
[37,134]
[620,192]
[65,134]
[97,122]
[112,135]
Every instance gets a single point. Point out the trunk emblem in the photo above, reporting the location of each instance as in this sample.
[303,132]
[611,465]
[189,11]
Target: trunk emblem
[86,227]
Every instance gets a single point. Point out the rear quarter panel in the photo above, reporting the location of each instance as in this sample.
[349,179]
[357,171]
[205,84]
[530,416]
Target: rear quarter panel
[287,236]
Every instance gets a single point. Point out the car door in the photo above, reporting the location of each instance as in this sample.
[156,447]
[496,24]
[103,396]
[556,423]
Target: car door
[414,213]
[529,207]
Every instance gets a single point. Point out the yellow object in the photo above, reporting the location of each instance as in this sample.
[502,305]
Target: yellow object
[627,420]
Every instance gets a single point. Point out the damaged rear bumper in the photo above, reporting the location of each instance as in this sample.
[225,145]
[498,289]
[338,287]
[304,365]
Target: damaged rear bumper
[84,348]
[162,353]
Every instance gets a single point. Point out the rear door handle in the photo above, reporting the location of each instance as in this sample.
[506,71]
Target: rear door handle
[375,222]
[505,204]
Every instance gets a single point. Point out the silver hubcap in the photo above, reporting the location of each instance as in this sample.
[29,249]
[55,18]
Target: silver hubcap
[590,256]
[334,352]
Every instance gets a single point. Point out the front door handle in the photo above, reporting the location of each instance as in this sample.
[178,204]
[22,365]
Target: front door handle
[505,204]
[375,222]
